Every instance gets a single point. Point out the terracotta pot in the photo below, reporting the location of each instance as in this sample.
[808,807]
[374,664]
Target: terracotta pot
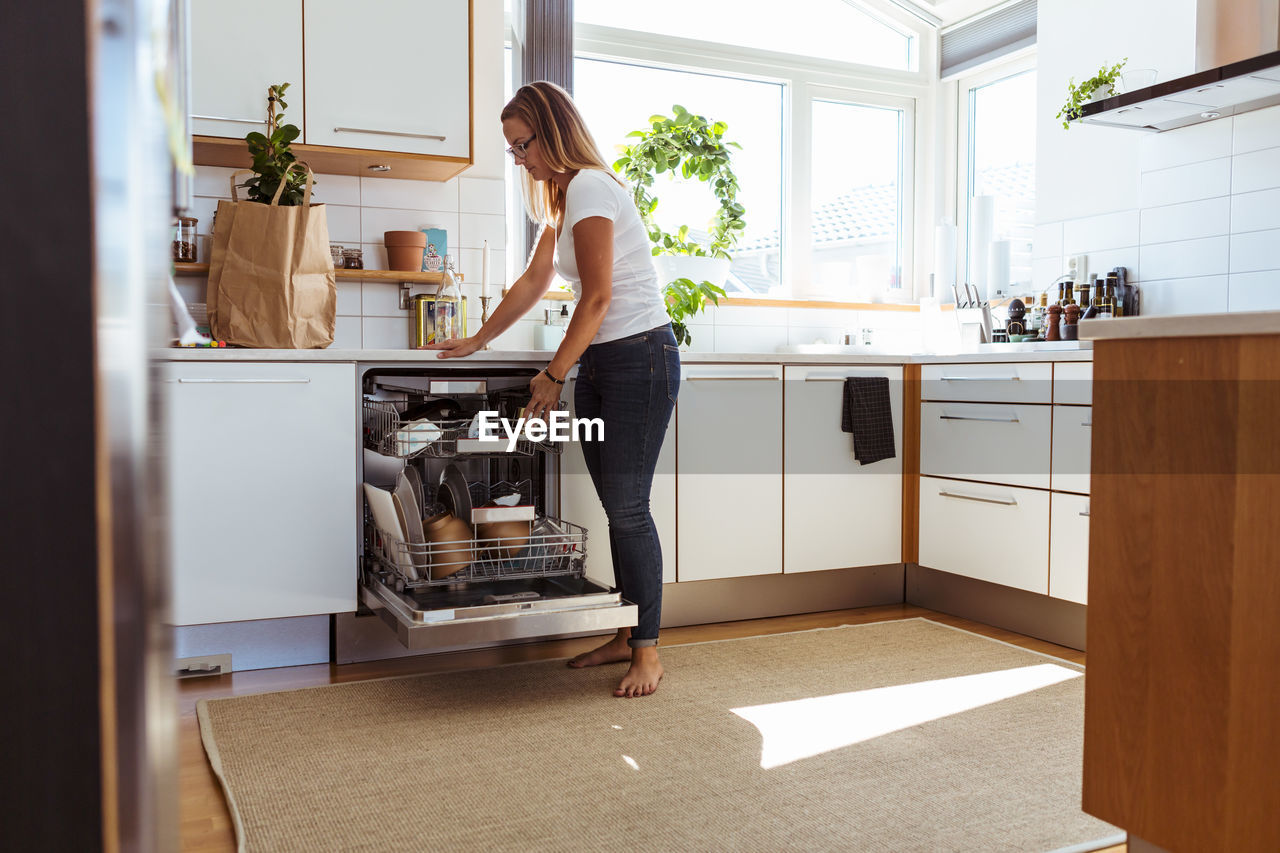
[455,556]
[511,536]
[404,250]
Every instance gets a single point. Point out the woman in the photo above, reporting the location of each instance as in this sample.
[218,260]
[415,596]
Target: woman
[620,336]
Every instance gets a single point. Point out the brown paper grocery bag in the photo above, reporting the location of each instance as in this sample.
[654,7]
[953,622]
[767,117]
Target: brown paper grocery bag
[271,280]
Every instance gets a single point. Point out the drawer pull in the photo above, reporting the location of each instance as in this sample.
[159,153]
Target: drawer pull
[981,378]
[1008,502]
[1013,420]
[1086,423]
[435,136]
[730,378]
[235,120]
[1084,514]
[243,381]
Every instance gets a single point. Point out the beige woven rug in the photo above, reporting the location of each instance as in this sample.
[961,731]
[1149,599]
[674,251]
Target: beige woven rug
[905,735]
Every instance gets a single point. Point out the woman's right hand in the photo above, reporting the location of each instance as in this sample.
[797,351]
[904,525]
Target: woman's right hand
[457,347]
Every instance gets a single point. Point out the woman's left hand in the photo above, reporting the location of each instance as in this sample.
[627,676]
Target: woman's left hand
[546,397]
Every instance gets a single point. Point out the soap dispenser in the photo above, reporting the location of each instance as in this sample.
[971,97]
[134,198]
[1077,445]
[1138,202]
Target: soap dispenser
[549,335]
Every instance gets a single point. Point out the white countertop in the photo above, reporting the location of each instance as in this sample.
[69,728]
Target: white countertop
[805,354]
[1183,326]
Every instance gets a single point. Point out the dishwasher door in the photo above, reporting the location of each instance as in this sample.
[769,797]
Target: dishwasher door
[482,583]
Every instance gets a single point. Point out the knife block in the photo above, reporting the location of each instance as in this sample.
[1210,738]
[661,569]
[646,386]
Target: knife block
[975,325]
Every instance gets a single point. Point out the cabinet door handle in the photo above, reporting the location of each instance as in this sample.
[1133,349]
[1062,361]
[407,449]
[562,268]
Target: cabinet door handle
[1012,420]
[981,378]
[389,133]
[1009,502]
[827,378]
[243,381]
[224,118]
[1086,423]
[1084,514]
[730,378]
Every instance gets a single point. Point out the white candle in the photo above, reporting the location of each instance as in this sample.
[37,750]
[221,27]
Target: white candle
[484,276]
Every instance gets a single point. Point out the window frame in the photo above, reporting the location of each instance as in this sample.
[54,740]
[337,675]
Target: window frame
[804,80]
[960,100]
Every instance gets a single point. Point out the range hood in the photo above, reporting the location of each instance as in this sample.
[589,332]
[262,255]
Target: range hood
[1249,84]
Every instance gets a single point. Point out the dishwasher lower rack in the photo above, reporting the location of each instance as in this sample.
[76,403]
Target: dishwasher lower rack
[553,548]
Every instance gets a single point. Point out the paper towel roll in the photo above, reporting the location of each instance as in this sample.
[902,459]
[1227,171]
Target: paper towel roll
[944,260]
[999,259]
[982,216]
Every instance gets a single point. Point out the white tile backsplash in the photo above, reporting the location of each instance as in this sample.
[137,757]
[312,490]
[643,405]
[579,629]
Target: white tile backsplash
[748,338]
[476,228]
[1194,181]
[213,181]
[1186,221]
[1254,291]
[344,223]
[348,333]
[1205,295]
[409,195]
[482,195]
[1256,170]
[1186,145]
[336,189]
[386,332]
[1047,242]
[1255,130]
[1186,259]
[381,299]
[472,267]
[1109,231]
[745,315]
[1255,251]
[1255,211]
[348,298]
[816,334]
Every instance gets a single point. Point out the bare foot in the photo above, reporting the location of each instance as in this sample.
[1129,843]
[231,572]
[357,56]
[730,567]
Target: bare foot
[644,674]
[614,651]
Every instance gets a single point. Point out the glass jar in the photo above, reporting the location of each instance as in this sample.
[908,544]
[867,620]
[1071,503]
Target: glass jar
[184,241]
[335,252]
[353,259]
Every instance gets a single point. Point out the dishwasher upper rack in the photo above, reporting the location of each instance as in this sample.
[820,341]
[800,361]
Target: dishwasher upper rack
[390,434]
[554,548]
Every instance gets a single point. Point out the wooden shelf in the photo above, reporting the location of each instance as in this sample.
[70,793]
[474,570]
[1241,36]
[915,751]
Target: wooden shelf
[346,275]
[326,160]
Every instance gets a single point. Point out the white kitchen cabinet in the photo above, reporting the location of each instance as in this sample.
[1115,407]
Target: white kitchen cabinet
[263,494]
[836,512]
[729,471]
[238,49]
[965,529]
[1069,547]
[1000,382]
[1073,382]
[389,75]
[1072,443]
[579,502]
[999,443]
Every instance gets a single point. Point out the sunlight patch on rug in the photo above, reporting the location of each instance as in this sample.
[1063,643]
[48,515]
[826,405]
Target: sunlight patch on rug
[803,728]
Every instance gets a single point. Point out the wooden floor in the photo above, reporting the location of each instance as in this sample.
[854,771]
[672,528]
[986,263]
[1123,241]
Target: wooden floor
[206,824]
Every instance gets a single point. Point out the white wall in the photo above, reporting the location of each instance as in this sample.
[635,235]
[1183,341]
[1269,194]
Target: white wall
[1194,214]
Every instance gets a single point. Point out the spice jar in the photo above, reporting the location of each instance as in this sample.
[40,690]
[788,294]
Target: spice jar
[353,259]
[184,241]
[335,252]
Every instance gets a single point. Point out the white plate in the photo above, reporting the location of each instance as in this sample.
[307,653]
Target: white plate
[411,520]
[382,507]
[414,437]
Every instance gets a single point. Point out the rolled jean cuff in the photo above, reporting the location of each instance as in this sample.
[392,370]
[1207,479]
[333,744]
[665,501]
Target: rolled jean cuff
[640,643]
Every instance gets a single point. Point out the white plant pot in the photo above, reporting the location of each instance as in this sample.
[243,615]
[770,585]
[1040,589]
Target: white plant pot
[672,267]
[1102,94]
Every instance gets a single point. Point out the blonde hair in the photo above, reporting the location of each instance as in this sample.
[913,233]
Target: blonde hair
[567,145]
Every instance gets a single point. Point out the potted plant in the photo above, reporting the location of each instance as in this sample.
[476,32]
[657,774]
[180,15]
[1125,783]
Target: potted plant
[696,148]
[272,156]
[1100,85]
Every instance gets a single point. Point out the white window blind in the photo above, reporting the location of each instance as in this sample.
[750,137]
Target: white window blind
[993,35]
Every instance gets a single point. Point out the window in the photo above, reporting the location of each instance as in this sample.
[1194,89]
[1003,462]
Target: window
[751,109]
[998,151]
[825,116]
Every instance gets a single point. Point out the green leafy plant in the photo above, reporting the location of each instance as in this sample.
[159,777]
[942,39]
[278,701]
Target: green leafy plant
[696,147]
[272,157]
[685,298]
[693,147]
[1079,95]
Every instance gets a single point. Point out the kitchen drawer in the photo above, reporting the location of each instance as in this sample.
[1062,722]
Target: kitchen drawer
[993,533]
[1073,382]
[1007,382]
[1069,547]
[995,443]
[1072,440]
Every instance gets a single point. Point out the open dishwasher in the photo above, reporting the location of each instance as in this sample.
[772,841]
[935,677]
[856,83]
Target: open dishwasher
[491,560]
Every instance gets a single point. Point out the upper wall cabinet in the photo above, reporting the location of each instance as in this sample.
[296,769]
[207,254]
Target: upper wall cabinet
[228,82]
[390,75]
[380,89]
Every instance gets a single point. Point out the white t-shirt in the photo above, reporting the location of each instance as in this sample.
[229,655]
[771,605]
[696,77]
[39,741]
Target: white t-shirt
[636,303]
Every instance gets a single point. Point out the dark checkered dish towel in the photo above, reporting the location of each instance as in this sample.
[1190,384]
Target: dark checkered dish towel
[866,414]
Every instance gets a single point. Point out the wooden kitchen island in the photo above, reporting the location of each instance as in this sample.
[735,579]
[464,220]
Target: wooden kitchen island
[1182,732]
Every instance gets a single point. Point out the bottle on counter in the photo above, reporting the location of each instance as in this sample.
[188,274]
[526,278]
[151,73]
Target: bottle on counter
[1107,307]
[1083,291]
[448,305]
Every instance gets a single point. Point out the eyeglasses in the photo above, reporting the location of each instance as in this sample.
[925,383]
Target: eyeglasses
[521,149]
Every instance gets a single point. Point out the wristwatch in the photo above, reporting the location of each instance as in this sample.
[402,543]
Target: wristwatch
[547,373]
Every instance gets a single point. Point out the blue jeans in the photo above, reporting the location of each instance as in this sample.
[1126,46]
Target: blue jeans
[630,384]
